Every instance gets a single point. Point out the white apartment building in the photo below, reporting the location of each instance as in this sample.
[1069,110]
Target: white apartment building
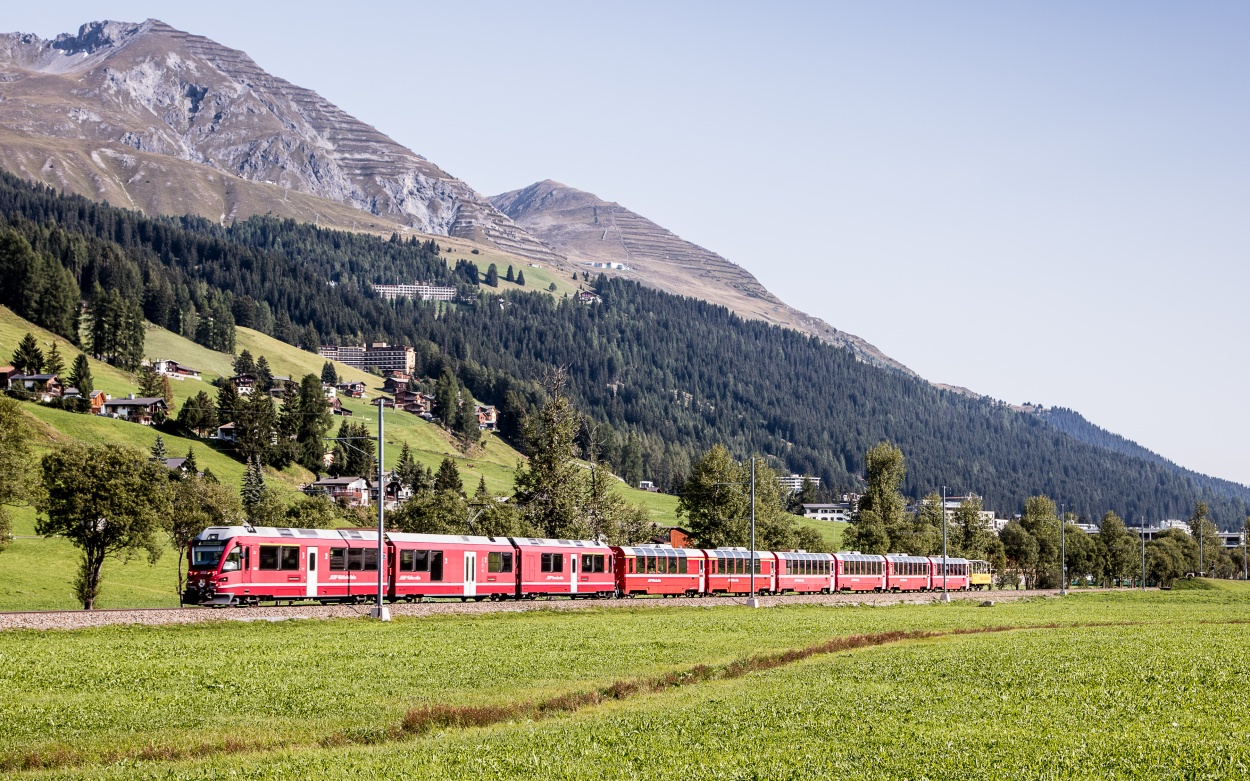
[416,290]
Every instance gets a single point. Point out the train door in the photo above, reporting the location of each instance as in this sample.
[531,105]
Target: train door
[573,573]
[311,580]
[702,577]
[470,574]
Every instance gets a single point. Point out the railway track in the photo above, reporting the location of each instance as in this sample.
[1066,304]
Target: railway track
[81,619]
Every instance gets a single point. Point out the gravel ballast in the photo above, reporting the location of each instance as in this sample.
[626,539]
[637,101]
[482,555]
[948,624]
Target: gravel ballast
[81,619]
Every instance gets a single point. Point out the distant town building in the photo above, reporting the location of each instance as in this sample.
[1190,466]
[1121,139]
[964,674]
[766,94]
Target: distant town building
[836,511]
[587,297]
[610,265]
[647,485]
[348,491]
[420,290]
[794,483]
[379,355]
[176,370]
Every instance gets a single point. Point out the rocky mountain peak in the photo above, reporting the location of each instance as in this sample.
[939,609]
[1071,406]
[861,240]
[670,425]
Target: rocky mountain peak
[94,36]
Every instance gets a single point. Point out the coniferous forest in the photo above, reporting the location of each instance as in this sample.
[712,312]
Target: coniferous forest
[663,377]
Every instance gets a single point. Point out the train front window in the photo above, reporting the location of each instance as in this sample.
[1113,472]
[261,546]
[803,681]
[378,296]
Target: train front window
[234,561]
[206,556]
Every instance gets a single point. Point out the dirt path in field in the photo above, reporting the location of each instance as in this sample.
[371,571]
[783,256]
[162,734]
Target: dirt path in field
[80,619]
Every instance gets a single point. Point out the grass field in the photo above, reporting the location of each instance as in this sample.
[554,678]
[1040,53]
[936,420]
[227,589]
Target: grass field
[1041,688]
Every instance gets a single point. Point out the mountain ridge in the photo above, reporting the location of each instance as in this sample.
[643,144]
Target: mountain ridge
[590,230]
[150,89]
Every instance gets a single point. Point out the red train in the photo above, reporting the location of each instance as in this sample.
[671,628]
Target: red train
[237,565]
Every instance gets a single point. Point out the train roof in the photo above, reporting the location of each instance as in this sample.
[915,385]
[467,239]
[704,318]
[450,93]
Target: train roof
[736,553]
[802,555]
[283,532]
[857,556]
[535,542]
[949,560]
[905,557]
[655,550]
[454,539]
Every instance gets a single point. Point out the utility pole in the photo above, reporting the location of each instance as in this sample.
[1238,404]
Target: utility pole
[1063,552]
[1201,568]
[753,601]
[381,611]
[1141,524]
[946,597]
[1245,560]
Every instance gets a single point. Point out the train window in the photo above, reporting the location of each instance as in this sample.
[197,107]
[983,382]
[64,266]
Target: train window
[630,569]
[338,558]
[407,561]
[499,561]
[436,565]
[269,557]
[650,565]
[234,560]
[290,557]
[206,556]
[661,565]
[420,561]
[592,562]
[610,558]
[362,559]
[552,562]
[755,564]
[682,566]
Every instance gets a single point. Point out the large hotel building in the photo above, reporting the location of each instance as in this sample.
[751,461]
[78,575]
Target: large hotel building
[379,355]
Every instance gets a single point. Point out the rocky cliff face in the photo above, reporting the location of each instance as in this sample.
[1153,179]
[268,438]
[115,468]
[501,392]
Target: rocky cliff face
[589,230]
[106,111]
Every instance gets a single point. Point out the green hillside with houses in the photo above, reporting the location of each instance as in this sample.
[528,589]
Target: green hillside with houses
[36,573]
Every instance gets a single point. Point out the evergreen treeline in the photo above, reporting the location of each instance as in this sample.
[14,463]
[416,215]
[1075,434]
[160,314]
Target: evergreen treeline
[669,376]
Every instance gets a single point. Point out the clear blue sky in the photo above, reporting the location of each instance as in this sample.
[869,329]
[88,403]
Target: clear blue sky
[1044,203]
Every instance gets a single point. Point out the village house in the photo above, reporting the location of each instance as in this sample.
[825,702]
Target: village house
[6,373]
[44,387]
[586,297]
[395,380]
[413,401]
[97,400]
[355,390]
[175,370]
[337,408]
[226,433]
[134,409]
[243,383]
[487,417]
[396,492]
[329,390]
[836,511]
[348,491]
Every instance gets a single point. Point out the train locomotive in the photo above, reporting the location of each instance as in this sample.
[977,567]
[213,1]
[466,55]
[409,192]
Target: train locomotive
[246,565]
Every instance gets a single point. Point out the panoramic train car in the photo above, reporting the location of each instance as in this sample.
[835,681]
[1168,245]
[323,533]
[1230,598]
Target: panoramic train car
[659,569]
[447,565]
[907,573]
[247,565]
[729,571]
[568,567]
[956,573]
[859,572]
[804,573]
[980,574]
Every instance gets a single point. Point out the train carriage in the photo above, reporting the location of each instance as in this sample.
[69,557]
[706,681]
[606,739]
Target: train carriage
[907,573]
[729,571]
[232,565]
[956,574]
[659,569]
[859,572]
[804,573]
[563,567]
[449,565]
[980,574]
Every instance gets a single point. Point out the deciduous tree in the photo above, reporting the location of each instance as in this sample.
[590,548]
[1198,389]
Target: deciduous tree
[108,500]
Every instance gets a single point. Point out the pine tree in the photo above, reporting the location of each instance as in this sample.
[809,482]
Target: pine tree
[520,277]
[167,392]
[244,364]
[492,276]
[448,477]
[80,376]
[881,508]
[467,429]
[310,340]
[253,490]
[228,402]
[28,358]
[150,385]
[53,363]
[510,277]
[329,375]
[159,451]
[264,377]
[191,467]
[446,398]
